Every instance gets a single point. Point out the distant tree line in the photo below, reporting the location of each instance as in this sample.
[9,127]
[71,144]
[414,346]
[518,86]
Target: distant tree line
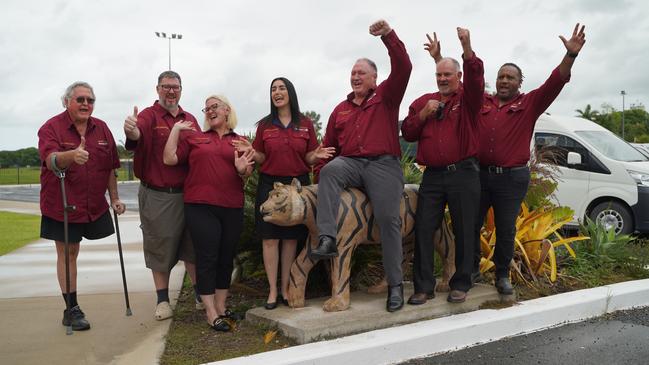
[636,121]
[22,157]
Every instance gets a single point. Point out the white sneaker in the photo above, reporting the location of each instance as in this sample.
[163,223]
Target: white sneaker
[163,311]
[199,305]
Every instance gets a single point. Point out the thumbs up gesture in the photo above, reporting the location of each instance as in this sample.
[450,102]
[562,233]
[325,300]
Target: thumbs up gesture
[80,154]
[130,126]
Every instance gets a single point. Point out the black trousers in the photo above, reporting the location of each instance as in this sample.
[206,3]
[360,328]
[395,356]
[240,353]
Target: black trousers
[215,232]
[460,189]
[504,192]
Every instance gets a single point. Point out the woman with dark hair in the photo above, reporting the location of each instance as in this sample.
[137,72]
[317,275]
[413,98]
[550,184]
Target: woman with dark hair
[285,147]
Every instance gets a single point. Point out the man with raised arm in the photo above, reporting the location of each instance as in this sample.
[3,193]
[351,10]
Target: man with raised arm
[506,126]
[445,125]
[164,237]
[363,128]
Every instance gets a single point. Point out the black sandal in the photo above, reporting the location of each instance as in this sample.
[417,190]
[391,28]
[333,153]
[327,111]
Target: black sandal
[233,315]
[221,325]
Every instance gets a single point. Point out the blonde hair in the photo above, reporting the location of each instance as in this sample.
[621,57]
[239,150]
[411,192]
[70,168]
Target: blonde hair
[231,120]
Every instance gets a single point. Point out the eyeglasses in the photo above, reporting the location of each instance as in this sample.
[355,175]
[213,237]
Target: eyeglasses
[82,99]
[171,87]
[211,108]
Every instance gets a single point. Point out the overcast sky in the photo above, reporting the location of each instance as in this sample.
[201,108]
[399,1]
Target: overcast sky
[237,47]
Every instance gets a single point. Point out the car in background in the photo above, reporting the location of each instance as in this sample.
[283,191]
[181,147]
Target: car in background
[600,175]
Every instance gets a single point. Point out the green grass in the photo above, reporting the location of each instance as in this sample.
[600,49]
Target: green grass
[31,175]
[191,341]
[23,175]
[17,230]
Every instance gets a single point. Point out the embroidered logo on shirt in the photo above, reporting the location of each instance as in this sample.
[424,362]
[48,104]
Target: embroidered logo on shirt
[102,142]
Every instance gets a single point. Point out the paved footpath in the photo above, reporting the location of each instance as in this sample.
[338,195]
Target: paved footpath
[31,305]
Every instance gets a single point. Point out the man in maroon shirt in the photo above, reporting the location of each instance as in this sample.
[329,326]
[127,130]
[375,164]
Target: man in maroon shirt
[444,123]
[164,237]
[363,130]
[83,149]
[506,126]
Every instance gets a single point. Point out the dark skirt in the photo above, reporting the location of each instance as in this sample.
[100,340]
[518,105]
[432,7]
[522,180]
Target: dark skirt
[272,231]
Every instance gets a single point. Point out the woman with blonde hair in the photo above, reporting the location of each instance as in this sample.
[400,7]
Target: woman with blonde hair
[213,200]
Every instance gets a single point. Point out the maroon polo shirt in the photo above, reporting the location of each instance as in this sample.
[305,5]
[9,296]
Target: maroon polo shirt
[505,131]
[212,177]
[155,124]
[285,147]
[454,137]
[371,129]
[85,185]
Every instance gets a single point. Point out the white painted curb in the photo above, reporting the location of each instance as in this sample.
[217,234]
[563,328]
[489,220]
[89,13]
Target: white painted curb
[392,345]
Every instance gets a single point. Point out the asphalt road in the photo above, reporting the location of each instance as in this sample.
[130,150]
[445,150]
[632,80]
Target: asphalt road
[31,193]
[617,338]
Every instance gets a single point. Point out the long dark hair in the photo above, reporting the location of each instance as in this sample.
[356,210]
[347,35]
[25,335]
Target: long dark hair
[296,115]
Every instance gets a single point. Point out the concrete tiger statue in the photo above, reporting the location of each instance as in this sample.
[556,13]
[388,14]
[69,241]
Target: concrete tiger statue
[293,204]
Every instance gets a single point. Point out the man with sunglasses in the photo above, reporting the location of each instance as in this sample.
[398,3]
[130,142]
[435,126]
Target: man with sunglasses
[82,148]
[445,124]
[164,237]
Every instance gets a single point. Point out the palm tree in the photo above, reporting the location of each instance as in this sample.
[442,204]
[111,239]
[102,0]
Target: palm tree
[587,113]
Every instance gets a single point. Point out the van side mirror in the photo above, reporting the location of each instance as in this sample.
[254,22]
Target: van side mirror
[574,158]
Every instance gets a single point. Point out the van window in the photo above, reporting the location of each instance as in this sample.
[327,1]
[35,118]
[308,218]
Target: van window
[612,146]
[553,148]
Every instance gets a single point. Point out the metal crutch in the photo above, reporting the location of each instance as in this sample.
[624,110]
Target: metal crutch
[121,261]
[66,208]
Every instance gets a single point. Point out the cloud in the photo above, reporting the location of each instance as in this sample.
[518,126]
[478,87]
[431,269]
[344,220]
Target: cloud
[237,48]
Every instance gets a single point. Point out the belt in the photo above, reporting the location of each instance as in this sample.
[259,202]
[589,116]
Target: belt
[471,161]
[501,170]
[379,157]
[169,190]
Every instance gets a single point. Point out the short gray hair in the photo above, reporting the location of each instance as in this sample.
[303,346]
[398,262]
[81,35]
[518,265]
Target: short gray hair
[458,67]
[67,95]
[170,75]
[369,62]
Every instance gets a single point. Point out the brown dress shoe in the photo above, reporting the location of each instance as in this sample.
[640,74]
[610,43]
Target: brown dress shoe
[420,298]
[456,296]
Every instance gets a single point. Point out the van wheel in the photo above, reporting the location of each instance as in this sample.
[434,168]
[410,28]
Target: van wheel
[612,214]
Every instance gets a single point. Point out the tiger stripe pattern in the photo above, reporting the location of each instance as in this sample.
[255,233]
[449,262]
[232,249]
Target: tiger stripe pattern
[293,204]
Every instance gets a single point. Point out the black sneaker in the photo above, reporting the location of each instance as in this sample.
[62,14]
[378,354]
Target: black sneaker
[76,319]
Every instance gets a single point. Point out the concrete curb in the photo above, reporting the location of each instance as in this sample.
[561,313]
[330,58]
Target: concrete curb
[451,333]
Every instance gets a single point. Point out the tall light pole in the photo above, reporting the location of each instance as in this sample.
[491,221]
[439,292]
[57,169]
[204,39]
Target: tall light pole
[623,93]
[169,37]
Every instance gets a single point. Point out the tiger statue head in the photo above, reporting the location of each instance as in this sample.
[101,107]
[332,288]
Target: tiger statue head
[285,205]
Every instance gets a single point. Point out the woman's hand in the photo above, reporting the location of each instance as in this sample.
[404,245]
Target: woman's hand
[243,163]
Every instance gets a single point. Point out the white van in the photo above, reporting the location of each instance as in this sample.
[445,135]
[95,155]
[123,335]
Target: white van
[601,176]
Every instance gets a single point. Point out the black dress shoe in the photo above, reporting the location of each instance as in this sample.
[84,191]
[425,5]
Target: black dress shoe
[395,298]
[420,298]
[271,306]
[504,286]
[326,248]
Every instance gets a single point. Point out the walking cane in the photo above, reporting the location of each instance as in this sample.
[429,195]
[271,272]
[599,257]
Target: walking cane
[121,262]
[66,208]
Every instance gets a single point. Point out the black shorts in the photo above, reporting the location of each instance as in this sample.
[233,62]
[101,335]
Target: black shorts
[269,230]
[52,229]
